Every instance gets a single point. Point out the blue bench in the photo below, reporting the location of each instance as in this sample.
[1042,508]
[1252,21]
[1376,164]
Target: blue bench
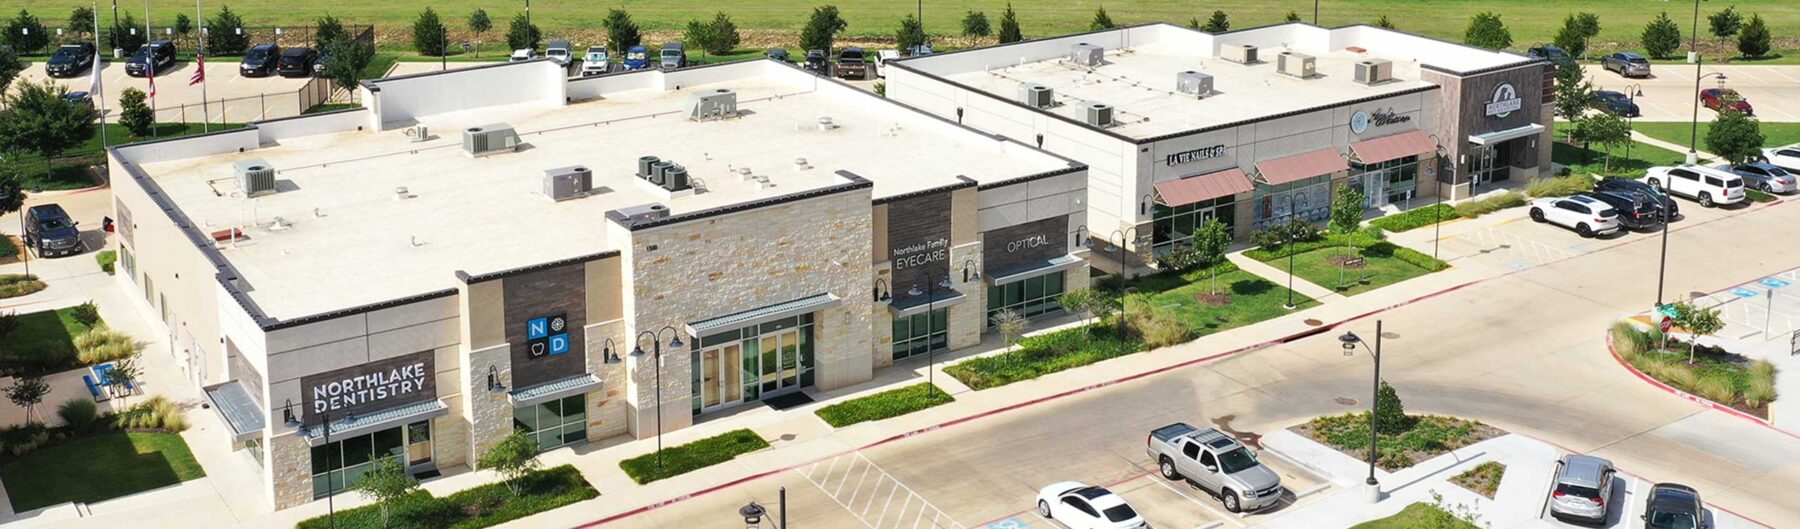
[93,389]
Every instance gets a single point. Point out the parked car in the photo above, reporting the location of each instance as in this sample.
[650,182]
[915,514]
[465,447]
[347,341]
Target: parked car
[1616,103]
[1627,64]
[1583,484]
[560,52]
[260,61]
[817,62]
[637,58]
[1703,184]
[779,54]
[882,58]
[1080,506]
[1215,462]
[851,62]
[321,62]
[596,62]
[1720,99]
[672,56]
[1550,53]
[296,62]
[1784,157]
[1764,177]
[1636,212]
[1585,215]
[521,55]
[1674,506]
[920,50]
[80,97]
[70,60]
[156,55]
[50,231]
[1669,208]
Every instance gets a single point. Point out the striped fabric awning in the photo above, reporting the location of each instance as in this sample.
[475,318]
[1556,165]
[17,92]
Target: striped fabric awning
[1204,187]
[1394,147]
[1301,166]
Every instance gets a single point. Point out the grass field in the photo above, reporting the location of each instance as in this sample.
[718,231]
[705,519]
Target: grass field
[1774,134]
[1643,155]
[99,468]
[44,342]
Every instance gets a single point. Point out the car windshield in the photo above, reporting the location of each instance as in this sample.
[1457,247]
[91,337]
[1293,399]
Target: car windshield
[141,54]
[66,53]
[1638,60]
[1236,460]
[53,224]
[637,55]
[1120,513]
[1672,520]
[256,55]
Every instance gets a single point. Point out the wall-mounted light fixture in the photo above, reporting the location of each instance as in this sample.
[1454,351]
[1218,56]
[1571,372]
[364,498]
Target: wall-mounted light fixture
[287,415]
[970,272]
[607,355]
[493,380]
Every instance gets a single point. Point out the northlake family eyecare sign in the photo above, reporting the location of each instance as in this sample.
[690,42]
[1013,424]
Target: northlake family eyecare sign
[370,387]
[918,244]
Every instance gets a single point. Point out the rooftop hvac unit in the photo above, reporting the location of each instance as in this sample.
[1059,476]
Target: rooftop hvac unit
[489,139]
[676,179]
[564,183]
[1098,114]
[717,104]
[1036,95]
[1374,71]
[1192,82]
[255,176]
[644,165]
[646,212]
[657,170]
[1296,64]
[1239,53]
[1086,54]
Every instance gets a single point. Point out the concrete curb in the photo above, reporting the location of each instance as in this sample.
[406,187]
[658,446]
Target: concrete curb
[1728,410]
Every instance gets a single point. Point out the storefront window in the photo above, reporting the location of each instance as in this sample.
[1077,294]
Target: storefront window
[1031,297]
[554,423]
[1173,227]
[1308,200]
[921,333]
[1387,182]
[341,463]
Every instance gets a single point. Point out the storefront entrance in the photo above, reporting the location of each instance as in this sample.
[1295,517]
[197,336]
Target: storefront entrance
[342,462]
[1493,163]
[720,379]
[752,363]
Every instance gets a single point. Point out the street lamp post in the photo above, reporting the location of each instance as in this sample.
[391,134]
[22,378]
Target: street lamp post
[637,352]
[1437,209]
[1632,92]
[1350,340]
[1291,215]
[932,283]
[1126,235]
[753,513]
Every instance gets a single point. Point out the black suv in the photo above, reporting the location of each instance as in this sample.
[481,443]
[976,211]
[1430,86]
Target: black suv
[817,62]
[160,53]
[1674,506]
[1550,53]
[260,61]
[1636,211]
[1626,185]
[297,62]
[70,60]
[49,230]
[1616,103]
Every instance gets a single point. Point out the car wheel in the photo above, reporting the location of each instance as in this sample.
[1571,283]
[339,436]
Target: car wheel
[1167,466]
[1044,509]
[1768,188]
[1231,502]
[1706,200]
[1584,230]
[1537,215]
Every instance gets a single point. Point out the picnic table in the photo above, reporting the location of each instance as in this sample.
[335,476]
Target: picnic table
[100,384]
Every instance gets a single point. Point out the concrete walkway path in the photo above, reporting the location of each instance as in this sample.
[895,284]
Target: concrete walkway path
[1280,277]
[1705,157]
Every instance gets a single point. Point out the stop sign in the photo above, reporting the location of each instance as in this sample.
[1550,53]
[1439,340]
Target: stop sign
[1667,323]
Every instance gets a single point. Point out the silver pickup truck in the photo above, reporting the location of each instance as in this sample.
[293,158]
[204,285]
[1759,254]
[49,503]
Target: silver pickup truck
[1216,463]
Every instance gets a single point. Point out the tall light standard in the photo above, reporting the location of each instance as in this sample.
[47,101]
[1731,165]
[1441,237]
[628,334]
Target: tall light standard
[1437,204]
[1291,216]
[1632,92]
[1126,235]
[1350,340]
[932,283]
[1693,156]
[637,352]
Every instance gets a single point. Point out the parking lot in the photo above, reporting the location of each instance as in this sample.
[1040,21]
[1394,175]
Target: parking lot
[1629,495]
[1765,309]
[1669,92]
[231,98]
[1518,243]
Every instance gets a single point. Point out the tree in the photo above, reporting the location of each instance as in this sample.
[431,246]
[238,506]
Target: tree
[522,34]
[1009,26]
[975,24]
[1390,413]
[81,20]
[1725,23]
[1011,325]
[1734,136]
[1347,210]
[348,58]
[1572,37]
[479,23]
[1661,36]
[513,457]
[1079,302]
[27,392]
[1753,41]
[1101,21]
[723,35]
[134,114]
[224,34]
[1218,23]
[12,198]
[822,28]
[1590,24]
[428,34]
[1210,243]
[10,66]
[183,24]
[1698,321]
[26,34]
[387,482]
[1486,30]
[1291,16]
[1604,128]
[328,29]
[1574,93]
[126,34]
[39,120]
[696,33]
[621,32]
[1383,22]
[911,34]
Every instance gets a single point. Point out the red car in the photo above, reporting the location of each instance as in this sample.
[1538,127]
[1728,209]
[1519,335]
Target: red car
[1718,98]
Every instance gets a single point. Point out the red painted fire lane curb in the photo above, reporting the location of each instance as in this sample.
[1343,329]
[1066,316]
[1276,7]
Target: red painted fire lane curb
[1187,363]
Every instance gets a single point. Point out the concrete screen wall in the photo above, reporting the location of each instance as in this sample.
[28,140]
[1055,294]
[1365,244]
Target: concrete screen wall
[398,100]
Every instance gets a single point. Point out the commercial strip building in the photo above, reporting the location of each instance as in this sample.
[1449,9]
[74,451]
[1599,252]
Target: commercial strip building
[1253,127]
[485,249]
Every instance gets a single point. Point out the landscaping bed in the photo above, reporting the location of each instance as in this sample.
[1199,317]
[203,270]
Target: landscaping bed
[1484,479]
[99,468]
[678,460]
[1715,374]
[1482,206]
[483,506]
[1416,218]
[43,342]
[883,405]
[1242,298]
[1425,437]
[16,285]
[1043,354]
[1418,516]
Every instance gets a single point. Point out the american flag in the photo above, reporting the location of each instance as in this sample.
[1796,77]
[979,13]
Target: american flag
[199,69]
[152,62]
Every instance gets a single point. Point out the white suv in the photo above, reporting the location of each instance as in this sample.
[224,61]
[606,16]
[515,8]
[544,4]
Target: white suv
[1584,214]
[1707,185]
[1784,157]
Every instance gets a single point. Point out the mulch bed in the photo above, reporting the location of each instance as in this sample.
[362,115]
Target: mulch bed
[1213,300]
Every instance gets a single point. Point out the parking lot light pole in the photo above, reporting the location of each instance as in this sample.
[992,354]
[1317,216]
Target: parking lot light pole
[1632,92]
[1437,209]
[930,292]
[637,352]
[1290,249]
[1350,340]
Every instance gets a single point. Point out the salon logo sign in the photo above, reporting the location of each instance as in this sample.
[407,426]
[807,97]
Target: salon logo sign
[1360,121]
[1505,101]
[547,335]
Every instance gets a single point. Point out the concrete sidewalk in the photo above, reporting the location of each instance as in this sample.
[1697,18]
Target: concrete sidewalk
[1705,157]
[1281,277]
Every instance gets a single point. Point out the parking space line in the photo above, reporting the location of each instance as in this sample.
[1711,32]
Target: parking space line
[1203,505]
[834,486]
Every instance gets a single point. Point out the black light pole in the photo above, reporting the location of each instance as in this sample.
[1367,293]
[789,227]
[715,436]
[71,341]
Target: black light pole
[1290,249]
[1632,92]
[1127,234]
[1315,12]
[932,283]
[1437,204]
[637,352]
[1350,340]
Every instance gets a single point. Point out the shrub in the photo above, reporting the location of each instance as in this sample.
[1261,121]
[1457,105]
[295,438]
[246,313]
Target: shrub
[79,414]
[693,456]
[1760,392]
[86,313]
[1478,207]
[1715,388]
[1415,218]
[100,345]
[1628,341]
[1410,256]
[23,439]
[1157,328]
[107,258]
[158,413]
[1677,373]
[9,321]
[1390,413]
[15,285]
[1560,186]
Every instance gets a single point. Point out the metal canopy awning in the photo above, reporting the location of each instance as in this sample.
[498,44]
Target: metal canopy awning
[1508,134]
[769,313]
[1203,187]
[1301,166]
[361,424]
[550,391]
[919,305]
[241,412]
[1055,264]
[1393,147]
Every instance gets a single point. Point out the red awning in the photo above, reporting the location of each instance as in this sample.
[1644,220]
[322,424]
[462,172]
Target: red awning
[1409,143]
[1204,187]
[1301,166]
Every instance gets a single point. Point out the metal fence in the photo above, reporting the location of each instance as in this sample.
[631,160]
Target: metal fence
[258,107]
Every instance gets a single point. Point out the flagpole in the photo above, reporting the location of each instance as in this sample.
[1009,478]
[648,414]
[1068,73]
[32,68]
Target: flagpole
[200,62]
[97,90]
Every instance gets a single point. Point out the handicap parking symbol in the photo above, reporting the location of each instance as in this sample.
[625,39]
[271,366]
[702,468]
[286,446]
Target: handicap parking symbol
[1009,523]
[1744,292]
[1773,282]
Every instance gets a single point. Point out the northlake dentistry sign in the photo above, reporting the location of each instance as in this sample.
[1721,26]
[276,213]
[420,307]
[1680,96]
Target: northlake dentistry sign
[370,387]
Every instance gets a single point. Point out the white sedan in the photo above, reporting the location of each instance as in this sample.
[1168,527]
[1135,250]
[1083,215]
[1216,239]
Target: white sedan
[1784,157]
[1079,506]
[1587,216]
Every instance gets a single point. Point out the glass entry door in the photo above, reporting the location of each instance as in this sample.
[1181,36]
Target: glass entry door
[780,362]
[720,383]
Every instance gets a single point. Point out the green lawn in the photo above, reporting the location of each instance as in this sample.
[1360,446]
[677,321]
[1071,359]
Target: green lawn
[1418,516]
[678,460]
[1253,299]
[99,468]
[883,405]
[68,171]
[484,506]
[1643,155]
[43,343]
[7,248]
[1774,133]
[330,107]
[1380,268]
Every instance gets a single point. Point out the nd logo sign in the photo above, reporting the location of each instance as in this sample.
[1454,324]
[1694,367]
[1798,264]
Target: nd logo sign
[548,335]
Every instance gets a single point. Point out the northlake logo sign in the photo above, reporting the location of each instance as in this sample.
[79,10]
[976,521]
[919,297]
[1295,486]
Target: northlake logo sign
[547,335]
[1505,102]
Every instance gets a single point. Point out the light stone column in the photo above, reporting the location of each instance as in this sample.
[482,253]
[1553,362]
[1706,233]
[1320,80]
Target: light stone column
[606,407]
[450,440]
[677,411]
[969,318]
[290,462]
[490,413]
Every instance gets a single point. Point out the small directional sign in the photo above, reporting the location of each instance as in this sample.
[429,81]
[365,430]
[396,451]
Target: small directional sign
[1744,292]
[1773,282]
[1667,310]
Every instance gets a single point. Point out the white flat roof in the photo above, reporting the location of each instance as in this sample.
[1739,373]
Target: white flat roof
[351,242]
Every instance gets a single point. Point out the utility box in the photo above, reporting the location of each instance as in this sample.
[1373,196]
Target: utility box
[1036,95]
[1374,71]
[1192,82]
[255,176]
[1239,53]
[1086,54]
[1098,114]
[490,139]
[564,183]
[711,105]
[1295,64]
